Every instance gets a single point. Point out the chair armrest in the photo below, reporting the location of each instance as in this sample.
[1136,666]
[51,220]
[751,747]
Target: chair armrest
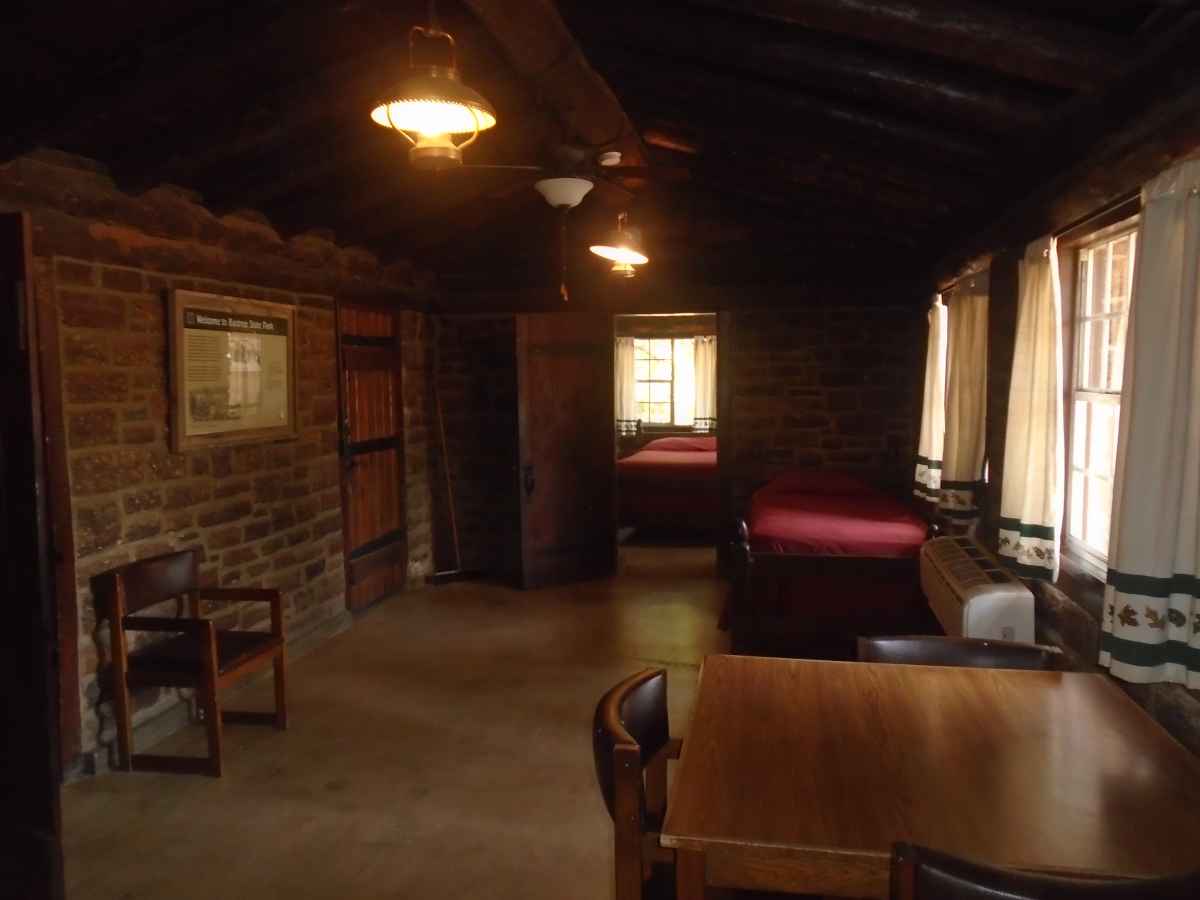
[167,624]
[249,595]
[239,595]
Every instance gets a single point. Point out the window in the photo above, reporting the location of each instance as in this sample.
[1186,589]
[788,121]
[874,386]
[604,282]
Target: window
[1102,295]
[665,375]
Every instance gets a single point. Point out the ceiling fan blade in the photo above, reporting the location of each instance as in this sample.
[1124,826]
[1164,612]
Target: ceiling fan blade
[498,167]
[652,173]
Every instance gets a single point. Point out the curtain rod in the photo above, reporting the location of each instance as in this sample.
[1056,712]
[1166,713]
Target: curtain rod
[1105,210]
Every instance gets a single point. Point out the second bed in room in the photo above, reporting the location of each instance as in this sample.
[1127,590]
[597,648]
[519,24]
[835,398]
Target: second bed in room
[824,556]
[671,483]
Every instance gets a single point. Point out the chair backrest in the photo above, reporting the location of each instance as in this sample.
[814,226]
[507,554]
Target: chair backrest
[147,582]
[930,650]
[922,874]
[631,717]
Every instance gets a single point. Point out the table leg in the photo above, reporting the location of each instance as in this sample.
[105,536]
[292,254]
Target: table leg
[689,875]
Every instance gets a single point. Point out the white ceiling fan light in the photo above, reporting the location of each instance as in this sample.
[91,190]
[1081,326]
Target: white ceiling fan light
[564,193]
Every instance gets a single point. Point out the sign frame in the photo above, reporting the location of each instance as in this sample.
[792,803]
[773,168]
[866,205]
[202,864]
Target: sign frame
[251,314]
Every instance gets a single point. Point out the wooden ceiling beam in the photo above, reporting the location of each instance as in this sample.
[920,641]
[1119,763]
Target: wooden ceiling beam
[132,86]
[964,30]
[1157,113]
[709,100]
[544,52]
[731,147]
[751,52]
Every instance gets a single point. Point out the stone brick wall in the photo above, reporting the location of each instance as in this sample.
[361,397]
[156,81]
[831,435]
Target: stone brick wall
[266,513]
[476,372]
[832,388]
[416,383]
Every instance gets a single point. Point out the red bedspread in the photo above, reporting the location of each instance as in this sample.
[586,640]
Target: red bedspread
[671,481]
[862,523]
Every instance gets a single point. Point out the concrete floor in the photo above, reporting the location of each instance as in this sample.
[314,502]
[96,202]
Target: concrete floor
[439,749]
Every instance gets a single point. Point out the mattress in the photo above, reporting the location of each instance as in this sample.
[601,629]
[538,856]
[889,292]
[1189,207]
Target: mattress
[671,481]
[866,523]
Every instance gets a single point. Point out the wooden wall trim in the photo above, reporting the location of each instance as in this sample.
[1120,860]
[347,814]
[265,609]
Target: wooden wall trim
[62,526]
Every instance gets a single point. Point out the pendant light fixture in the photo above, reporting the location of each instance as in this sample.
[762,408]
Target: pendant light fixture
[564,194]
[623,247]
[432,105]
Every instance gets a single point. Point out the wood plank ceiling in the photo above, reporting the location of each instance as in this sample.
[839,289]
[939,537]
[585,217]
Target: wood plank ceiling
[791,142]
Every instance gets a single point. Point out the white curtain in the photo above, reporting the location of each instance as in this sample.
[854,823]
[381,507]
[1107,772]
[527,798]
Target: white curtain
[1032,490]
[706,377]
[1152,600]
[928,480]
[626,382]
[966,403]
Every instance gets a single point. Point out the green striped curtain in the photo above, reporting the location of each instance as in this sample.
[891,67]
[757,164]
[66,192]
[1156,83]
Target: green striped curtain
[1031,493]
[1151,627]
[966,403]
[927,480]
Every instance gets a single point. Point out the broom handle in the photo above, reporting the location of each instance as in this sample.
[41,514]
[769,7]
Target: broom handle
[437,399]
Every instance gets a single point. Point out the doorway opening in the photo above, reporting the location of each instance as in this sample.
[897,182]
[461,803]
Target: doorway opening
[665,384]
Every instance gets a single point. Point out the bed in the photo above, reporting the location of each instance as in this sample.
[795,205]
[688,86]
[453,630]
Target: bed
[671,483]
[823,557]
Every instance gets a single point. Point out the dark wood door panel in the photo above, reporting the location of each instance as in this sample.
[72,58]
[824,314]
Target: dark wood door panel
[565,423]
[372,455]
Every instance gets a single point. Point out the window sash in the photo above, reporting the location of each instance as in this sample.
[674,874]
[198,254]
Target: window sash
[1087,481]
[647,353]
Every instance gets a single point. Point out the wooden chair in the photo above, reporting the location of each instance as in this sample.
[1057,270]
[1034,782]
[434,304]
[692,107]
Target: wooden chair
[631,742]
[922,874]
[197,656]
[930,650]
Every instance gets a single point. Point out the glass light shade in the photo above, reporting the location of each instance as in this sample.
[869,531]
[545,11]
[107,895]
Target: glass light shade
[560,192]
[432,102]
[623,270]
[623,246]
[620,251]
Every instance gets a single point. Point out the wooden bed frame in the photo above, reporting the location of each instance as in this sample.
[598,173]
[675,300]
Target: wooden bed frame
[763,617]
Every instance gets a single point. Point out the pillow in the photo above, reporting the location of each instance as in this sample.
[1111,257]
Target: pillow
[817,481]
[683,444]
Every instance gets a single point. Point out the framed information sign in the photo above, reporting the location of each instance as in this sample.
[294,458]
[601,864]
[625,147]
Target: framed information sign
[233,365]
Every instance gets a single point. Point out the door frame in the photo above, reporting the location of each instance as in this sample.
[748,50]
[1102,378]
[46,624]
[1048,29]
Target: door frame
[32,844]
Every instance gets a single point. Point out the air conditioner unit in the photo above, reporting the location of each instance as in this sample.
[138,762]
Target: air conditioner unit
[972,594]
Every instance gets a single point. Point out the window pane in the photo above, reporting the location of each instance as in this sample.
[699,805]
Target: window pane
[1099,281]
[641,348]
[644,412]
[1099,508]
[1119,290]
[642,392]
[660,348]
[1079,420]
[660,412]
[660,392]
[1116,352]
[685,381]
[1104,438]
[641,370]
[660,370]
[1075,523]
[1093,377]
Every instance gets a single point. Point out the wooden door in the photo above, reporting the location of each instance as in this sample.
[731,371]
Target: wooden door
[372,454]
[567,470]
[31,837]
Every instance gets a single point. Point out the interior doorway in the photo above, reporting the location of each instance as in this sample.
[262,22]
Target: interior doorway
[666,388]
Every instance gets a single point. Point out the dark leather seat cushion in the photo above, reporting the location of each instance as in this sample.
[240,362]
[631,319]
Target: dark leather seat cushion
[181,654]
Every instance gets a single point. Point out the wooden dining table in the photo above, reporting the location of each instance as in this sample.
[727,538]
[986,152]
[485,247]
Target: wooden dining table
[799,775]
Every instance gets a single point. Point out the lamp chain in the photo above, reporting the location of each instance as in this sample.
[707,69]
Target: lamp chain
[562,252]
